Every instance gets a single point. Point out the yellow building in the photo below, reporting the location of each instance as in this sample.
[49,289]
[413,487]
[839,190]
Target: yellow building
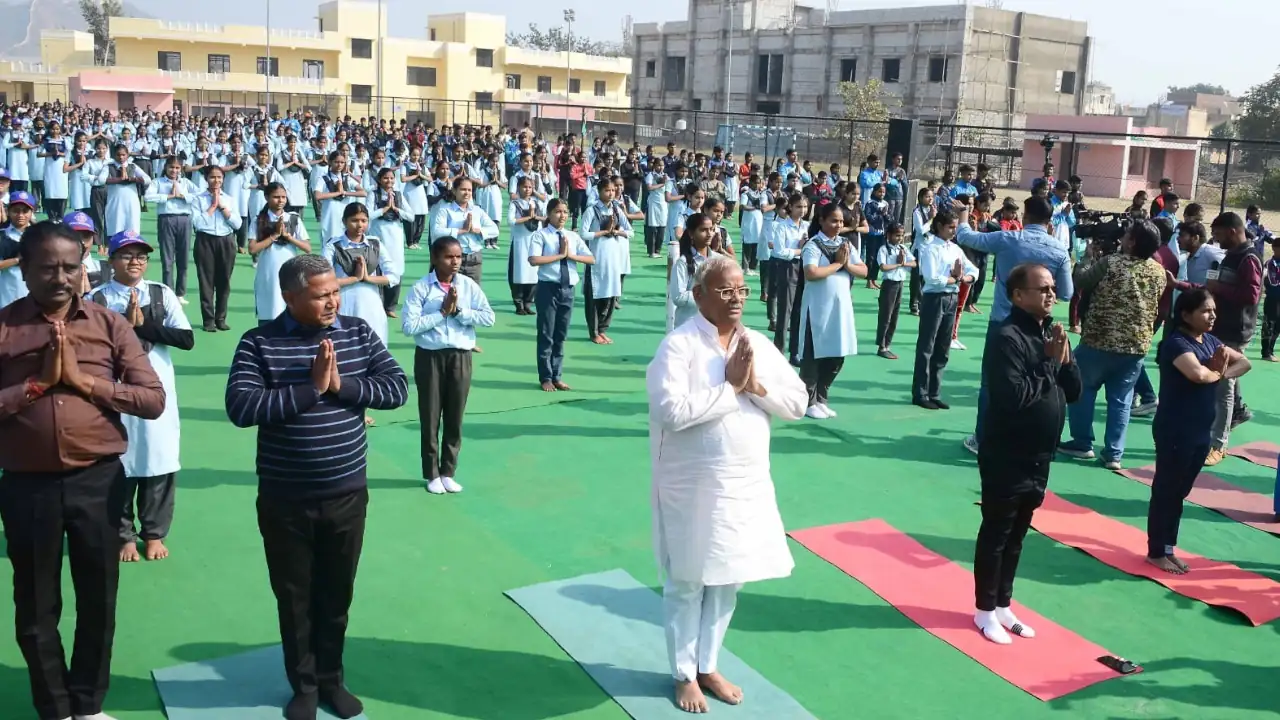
[463,71]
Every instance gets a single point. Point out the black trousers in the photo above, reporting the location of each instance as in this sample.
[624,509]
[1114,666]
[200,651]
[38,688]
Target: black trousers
[242,234]
[654,238]
[1012,489]
[979,260]
[19,185]
[818,374]
[215,261]
[443,379]
[555,310]
[766,278]
[313,550]
[783,299]
[749,260]
[173,232]
[933,344]
[599,312]
[39,510]
[97,211]
[887,320]
[413,230]
[155,500]
[521,293]
[391,297]
[916,286]
[472,265]
[1178,463]
[577,205]
[1270,323]
[55,208]
[872,255]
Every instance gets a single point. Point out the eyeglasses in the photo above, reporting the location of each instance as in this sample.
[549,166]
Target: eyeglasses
[1043,289]
[129,258]
[741,293]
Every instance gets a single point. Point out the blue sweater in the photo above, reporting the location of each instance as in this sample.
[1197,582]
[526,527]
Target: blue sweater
[311,446]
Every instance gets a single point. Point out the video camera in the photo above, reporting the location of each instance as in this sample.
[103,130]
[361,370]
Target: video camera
[1105,229]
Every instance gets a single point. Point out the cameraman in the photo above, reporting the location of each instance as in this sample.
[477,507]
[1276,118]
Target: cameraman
[1124,291]
[1011,248]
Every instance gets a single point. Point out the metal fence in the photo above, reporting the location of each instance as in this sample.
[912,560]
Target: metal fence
[1218,172]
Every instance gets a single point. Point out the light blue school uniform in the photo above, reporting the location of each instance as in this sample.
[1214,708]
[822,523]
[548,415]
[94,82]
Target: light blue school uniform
[826,308]
[547,242]
[236,184]
[655,210]
[57,185]
[295,181]
[34,161]
[525,242]
[18,159]
[199,157]
[160,190]
[153,444]
[362,299]
[674,209]
[79,184]
[785,237]
[267,300]
[12,286]
[888,255]
[256,180]
[331,210]
[422,320]
[488,197]
[450,218]
[752,204]
[680,303]
[611,253]
[124,206]
[389,231]
[415,192]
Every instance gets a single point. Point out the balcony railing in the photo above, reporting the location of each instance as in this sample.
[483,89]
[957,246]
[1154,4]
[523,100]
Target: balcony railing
[32,68]
[190,27]
[295,34]
[192,77]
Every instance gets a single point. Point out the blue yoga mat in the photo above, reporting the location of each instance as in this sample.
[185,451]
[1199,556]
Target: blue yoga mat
[611,625]
[248,686]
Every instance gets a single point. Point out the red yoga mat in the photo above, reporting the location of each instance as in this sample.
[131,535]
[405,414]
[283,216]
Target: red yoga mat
[1210,491]
[937,594]
[1124,547]
[1259,452]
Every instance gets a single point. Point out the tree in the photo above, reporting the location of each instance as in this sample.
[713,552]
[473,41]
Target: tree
[1259,120]
[1199,88]
[866,112]
[97,15]
[557,40]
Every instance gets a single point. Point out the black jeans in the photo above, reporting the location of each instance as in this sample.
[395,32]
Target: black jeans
[1178,463]
[443,380]
[555,309]
[887,320]
[1270,323]
[818,374]
[215,261]
[1012,489]
[933,345]
[313,550]
[39,510]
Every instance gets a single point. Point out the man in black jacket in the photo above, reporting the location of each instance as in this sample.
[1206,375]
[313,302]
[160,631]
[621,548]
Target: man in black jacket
[1031,377]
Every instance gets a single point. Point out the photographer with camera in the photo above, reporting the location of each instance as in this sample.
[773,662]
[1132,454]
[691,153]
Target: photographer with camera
[1010,248]
[1119,322]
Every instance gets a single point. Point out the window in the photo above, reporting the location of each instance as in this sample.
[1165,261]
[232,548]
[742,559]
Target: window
[313,69]
[575,85]
[513,82]
[219,63]
[166,60]
[484,58]
[544,83]
[274,64]
[484,101]
[673,73]
[362,94]
[425,76]
[1067,82]
[769,107]
[1137,161]
[769,74]
[361,48]
[849,70]
[431,34]
[124,101]
[891,70]
[650,68]
[938,67]
[600,88]
[697,104]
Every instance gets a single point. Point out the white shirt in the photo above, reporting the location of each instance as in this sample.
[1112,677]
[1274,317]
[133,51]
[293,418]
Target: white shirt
[715,517]
[431,330]
[935,259]
[547,242]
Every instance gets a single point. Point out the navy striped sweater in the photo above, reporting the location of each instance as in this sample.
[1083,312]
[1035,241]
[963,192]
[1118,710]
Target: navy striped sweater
[311,445]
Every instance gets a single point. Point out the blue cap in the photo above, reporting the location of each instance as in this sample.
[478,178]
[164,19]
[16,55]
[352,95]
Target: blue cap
[22,198]
[125,239]
[80,222]
[4,173]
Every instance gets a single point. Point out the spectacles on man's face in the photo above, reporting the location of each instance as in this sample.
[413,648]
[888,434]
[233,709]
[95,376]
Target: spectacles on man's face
[1043,289]
[742,293]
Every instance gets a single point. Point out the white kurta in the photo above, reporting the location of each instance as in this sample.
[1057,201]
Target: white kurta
[715,517]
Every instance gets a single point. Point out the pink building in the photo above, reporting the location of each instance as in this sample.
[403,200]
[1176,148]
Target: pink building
[116,92]
[1115,166]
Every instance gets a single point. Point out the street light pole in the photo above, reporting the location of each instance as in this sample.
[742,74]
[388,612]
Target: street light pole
[379,74]
[568,66]
[268,68]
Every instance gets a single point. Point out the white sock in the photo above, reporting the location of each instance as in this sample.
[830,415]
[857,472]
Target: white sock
[1009,620]
[990,627]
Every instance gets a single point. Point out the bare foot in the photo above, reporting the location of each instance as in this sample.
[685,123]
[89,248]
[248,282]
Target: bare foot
[477,349]
[548,387]
[690,699]
[724,690]
[1178,561]
[129,552]
[599,340]
[606,338]
[561,386]
[368,420]
[156,550]
[1168,565]
[392,314]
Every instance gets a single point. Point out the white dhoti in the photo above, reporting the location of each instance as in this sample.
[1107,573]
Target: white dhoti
[716,521]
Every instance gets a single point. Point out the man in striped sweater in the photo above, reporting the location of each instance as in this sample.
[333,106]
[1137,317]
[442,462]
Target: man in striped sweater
[305,380]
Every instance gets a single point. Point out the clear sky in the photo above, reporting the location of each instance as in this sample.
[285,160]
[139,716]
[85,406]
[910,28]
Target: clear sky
[1143,46]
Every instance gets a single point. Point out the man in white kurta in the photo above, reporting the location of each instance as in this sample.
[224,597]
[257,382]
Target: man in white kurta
[712,389]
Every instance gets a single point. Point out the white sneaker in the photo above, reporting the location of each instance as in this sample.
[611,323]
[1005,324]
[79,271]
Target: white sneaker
[95,716]
[436,487]
[1144,409]
[183,300]
[450,485]
[957,345]
[971,444]
[815,412]
[830,413]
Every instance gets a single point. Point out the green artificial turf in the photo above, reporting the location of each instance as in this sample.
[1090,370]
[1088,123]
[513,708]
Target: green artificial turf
[557,485]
